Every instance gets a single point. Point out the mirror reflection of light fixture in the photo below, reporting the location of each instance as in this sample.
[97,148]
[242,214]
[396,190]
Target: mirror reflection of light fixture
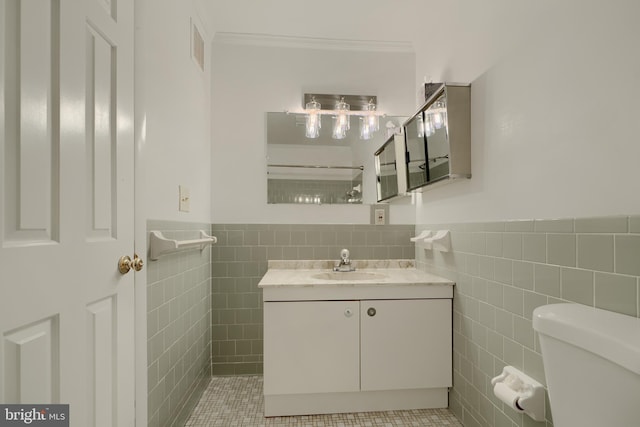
[429,127]
[434,118]
[313,121]
[438,114]
[345,106]
[365,129]
[341,120]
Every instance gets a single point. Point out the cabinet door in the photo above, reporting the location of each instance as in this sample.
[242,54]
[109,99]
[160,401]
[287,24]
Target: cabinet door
[311,347]
[405,344]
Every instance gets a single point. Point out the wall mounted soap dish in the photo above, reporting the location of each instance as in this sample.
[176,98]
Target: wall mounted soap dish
[437,241]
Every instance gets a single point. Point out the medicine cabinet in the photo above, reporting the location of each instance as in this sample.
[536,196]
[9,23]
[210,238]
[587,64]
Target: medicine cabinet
[438,137]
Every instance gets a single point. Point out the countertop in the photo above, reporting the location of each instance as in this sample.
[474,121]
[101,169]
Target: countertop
[387,279]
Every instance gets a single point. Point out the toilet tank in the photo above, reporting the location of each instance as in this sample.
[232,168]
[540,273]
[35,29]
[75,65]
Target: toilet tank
[591,360]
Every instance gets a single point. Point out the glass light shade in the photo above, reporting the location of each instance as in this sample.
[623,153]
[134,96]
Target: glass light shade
[342,120]
[312,125]
[313,121]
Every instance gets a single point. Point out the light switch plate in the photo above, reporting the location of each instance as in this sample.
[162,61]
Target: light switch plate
[185,199]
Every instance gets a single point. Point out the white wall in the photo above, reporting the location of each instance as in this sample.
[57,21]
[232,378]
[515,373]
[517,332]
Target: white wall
[172,100]
[555,128]
[250,80]
[554,86]
[173,103]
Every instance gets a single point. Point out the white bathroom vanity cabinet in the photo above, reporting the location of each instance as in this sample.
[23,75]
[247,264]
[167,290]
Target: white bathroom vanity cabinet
[382,341]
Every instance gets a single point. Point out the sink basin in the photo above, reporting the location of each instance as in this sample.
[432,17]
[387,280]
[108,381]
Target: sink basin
[348,275]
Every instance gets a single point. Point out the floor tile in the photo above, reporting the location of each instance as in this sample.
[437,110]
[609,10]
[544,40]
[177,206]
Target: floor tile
[237,401]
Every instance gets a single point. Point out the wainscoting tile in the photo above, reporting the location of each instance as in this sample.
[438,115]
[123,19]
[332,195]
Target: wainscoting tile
[595,252]
[616,224]
[577,285]
[561,249]
[627,254]
[616,293]
[554,225]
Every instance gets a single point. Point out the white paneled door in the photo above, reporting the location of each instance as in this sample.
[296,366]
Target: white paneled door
[66,207]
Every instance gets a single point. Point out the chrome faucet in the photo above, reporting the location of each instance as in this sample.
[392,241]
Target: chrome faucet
[345,262]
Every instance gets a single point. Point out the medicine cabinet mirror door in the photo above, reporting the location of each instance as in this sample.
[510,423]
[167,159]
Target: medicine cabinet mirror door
[436,134]
[386,171]
[416,146]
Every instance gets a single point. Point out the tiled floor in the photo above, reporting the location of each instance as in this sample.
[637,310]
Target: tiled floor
[237,401]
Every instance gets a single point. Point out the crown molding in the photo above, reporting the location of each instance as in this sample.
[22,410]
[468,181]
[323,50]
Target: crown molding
[268,40]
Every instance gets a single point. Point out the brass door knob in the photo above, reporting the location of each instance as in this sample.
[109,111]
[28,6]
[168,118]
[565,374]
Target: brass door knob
[125,263]
[138,263]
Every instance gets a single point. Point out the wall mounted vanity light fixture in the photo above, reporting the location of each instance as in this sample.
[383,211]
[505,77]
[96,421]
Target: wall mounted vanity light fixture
[344,106]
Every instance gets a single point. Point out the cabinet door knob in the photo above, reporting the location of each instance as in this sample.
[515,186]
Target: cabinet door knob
[348,312]
[371,311]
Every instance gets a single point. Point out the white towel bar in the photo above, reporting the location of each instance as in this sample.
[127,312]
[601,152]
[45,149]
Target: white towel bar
[160,245]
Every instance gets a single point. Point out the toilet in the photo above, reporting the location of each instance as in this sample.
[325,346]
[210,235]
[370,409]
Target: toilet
[591,360]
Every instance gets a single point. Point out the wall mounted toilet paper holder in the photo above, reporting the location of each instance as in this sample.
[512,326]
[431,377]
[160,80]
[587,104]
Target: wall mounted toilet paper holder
[521,392]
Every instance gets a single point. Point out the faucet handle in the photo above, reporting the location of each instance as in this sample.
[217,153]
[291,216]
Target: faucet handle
[344,254]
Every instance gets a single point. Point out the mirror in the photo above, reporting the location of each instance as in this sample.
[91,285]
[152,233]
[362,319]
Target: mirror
[386,171]
[391,168]
[416,152]
[320,170]
[435,130]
